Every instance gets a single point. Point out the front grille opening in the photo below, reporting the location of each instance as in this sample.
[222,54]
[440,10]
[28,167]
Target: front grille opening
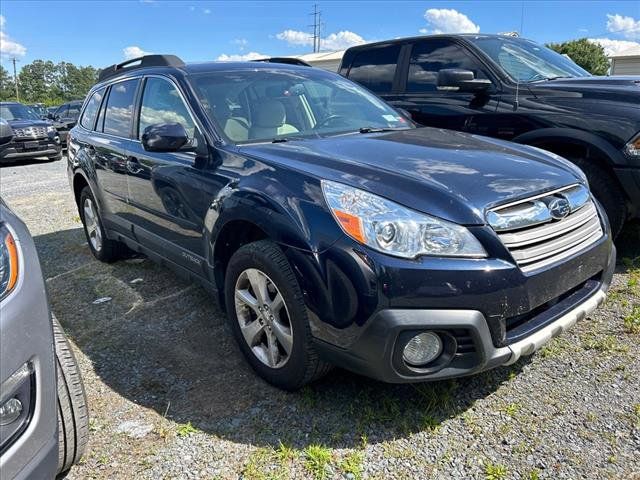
[464,341]
[539,245]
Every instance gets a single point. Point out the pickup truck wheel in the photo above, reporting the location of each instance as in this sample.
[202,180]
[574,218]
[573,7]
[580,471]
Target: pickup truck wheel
[101,247]
[73,416]
[269,318]
[607,191]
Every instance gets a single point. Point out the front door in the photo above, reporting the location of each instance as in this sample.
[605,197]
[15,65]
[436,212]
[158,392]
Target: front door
[170,192]
[434,106]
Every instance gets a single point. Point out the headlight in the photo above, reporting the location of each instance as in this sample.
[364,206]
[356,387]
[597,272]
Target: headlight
[633,147]
[390,228]
[8,262]
[51,129]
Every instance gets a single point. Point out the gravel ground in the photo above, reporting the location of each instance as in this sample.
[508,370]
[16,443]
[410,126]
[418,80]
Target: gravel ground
[171,397]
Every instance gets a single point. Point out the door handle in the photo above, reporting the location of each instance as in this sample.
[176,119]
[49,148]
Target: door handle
[133,166]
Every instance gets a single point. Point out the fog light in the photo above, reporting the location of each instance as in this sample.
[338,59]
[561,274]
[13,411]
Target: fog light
[10,411]
[422,349]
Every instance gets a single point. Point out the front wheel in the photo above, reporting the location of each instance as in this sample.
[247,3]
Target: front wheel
[269,318]
[73,416]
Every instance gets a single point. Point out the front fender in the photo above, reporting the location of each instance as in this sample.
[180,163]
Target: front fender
[569,136]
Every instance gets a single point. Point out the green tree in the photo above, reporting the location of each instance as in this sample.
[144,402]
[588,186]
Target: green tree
[7,87]
[588,55]
[36,80]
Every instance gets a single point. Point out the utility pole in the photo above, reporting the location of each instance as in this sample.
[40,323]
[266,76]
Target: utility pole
[15,77]
[316,28]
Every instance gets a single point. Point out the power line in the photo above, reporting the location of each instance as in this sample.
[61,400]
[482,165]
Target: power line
[317,26]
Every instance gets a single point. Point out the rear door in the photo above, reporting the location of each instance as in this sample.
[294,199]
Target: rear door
[109,144]
[439,107]
[170,192]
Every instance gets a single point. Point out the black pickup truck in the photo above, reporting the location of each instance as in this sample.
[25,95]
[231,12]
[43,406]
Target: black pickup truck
[514,89]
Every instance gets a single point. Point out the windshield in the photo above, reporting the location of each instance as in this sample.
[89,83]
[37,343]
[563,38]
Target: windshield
[17,111]
[526,61]
[257,105]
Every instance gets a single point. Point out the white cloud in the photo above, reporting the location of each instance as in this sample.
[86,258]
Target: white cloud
[206,11]
[240,58]
[9,47]
[133,52]
[445,20]
[628,27]
[334,41]
[612,47]
[241,43]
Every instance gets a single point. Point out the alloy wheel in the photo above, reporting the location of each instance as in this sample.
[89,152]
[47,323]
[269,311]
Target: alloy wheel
[91,224]
[263,318]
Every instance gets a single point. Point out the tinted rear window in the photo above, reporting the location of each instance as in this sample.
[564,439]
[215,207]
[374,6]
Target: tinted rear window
[119,110]
[90,112]
[375,68]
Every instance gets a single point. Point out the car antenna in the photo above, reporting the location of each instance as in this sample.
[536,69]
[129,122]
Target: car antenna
[516,103]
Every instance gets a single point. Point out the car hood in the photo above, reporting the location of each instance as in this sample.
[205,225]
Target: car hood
[451,175]
[617,88]
[28,123]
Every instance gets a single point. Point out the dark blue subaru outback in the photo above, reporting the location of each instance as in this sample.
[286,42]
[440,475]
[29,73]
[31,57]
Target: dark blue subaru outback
[333,230]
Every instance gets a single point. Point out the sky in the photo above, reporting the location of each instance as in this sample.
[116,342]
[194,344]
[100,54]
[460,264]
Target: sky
[100,33]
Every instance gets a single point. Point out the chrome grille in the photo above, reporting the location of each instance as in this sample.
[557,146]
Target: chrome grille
[535,238]
[30,132]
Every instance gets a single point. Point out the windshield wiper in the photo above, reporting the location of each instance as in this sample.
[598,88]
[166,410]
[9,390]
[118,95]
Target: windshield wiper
[280,140]
[380,129]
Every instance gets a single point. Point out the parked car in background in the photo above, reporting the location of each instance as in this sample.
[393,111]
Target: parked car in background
[514,89]
[51,110]
[32,136]
[40,110]
[65,118]
[43,410]
[333,230]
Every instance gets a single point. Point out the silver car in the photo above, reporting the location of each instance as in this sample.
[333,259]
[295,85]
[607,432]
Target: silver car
[43,409]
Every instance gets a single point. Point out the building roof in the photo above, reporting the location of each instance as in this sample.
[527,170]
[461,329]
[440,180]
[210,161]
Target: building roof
[630,52]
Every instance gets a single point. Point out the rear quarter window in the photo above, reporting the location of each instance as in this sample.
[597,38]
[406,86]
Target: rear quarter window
[375,69]
[88,119]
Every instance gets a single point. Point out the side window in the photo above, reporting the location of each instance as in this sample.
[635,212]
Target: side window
[91,110]
[117,119]
[375,68]
[62,111]
[161,103]
[74,111]
[429,57]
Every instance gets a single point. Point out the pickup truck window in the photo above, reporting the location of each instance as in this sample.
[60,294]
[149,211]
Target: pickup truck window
[526,61]
[375,68]
[429,57]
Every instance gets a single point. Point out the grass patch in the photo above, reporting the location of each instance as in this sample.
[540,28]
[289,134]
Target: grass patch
[495,471]
[511,409]
[352,463]
[317,461]
[186,429]
[607,344]
[632,321]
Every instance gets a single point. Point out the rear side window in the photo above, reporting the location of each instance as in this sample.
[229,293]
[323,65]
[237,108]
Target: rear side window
[429,57]
[119,111]
[162,103]
[91,111]
[375,68]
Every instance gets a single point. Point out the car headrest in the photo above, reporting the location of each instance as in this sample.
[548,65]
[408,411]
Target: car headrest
[269,113]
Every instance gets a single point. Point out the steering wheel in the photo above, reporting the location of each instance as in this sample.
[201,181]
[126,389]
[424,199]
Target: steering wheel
[327,120]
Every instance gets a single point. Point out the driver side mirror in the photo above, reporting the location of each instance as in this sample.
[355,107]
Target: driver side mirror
[463,80]
[164,137]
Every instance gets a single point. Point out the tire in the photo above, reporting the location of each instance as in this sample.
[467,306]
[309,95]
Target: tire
[302,365]
[73,416]
[101,247]
[607,191]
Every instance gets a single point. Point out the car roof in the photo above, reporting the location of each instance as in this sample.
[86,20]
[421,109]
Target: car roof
[427,37]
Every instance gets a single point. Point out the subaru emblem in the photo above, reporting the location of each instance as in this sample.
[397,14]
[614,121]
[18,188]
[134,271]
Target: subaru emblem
[559,208]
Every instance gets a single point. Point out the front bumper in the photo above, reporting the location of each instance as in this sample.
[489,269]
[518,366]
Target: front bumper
[23,149]
[377,352]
